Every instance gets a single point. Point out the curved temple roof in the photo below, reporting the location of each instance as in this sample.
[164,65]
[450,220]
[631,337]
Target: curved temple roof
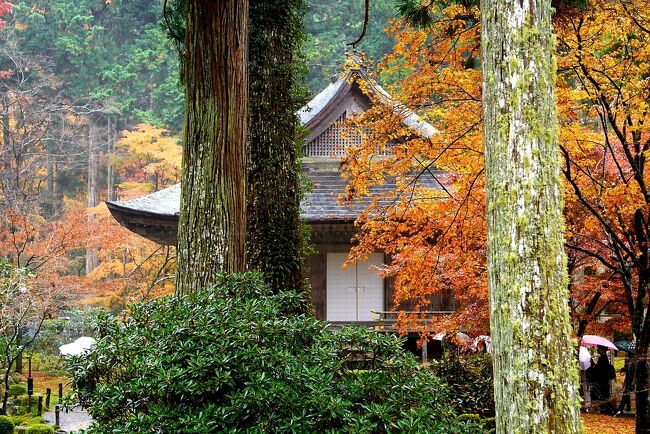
[155,216]
[313,110]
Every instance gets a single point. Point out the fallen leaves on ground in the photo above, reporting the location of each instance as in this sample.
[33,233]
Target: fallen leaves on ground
[603,424]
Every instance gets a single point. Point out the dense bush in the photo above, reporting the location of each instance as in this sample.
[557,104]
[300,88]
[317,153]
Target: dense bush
[238,359]
[17,378]
[40,428]
[16,390]
[6,425]
[469,379]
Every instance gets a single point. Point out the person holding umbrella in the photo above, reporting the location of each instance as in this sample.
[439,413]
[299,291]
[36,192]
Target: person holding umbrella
[628,370]
[600,374]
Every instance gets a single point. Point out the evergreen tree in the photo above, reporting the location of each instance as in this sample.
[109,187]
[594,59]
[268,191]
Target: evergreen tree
[333,24]
[274,244]
[212,220]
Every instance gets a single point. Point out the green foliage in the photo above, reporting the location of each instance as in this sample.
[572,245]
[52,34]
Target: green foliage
[332,24]
[6,425]
[415,12]
[26,420]
[111,54]
[236,358]
[276,93]
[17,378]
[16,390]
[40,428]
[469,378]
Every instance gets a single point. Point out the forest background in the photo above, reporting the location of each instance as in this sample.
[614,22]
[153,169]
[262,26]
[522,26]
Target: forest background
[91,110]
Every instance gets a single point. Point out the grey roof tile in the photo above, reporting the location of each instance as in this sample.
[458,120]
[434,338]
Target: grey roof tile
[320,204]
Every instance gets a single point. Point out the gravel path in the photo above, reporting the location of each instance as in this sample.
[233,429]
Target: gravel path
[70,422]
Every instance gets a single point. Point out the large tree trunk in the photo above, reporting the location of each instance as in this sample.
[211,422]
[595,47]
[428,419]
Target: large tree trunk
[274,243]
[642,378]
[93,185]
[110,169]
[535,371]
[641,325]
[212,221]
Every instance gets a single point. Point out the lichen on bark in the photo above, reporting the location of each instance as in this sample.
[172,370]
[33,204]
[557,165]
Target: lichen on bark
[535,368]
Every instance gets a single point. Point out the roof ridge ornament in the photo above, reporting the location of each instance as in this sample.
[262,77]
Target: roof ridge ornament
[355,60]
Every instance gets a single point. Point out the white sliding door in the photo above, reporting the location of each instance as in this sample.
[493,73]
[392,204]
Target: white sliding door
[353,292]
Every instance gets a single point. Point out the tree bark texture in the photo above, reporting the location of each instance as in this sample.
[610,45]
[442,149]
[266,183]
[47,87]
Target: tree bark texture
[641,327]
[212,220]
[93,185]
[110,169]
[535,370]
[274,243]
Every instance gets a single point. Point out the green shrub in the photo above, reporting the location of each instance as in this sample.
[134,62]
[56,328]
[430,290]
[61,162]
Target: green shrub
[469,378]
[40,428]
[468,418]
[24,421]
[6,425]
[17,378]
[490,424]
[16,390]
[237,359]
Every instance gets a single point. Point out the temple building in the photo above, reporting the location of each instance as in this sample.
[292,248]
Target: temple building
[356,294]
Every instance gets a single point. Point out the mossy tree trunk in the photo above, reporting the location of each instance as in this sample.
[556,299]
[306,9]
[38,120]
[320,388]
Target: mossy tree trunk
[212,220]
[275,244]
[536,378]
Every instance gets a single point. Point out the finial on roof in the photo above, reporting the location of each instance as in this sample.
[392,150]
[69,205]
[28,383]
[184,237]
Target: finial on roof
[355,59]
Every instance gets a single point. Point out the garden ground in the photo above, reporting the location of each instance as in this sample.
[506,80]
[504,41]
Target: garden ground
[604,424]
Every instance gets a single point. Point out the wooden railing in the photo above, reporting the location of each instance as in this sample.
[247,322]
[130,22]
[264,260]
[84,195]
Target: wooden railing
[387,319]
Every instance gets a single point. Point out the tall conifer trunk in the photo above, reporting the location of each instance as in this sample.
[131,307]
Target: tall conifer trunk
[536,379]
[274,244]
[110,169]
[212,221]
[93,185]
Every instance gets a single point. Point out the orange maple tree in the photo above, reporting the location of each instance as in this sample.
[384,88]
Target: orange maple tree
[130,267]
[437,243]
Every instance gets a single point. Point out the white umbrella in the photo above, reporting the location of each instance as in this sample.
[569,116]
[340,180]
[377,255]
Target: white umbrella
[82,345]
[585,358]
[462,337]
[487,341]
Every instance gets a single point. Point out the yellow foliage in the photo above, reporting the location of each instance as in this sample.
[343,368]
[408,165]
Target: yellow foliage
[148,155]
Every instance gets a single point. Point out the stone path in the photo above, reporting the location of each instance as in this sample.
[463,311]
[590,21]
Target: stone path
[70,422]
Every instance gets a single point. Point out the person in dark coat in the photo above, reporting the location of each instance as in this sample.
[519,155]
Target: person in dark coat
[600,375]
[628,384]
